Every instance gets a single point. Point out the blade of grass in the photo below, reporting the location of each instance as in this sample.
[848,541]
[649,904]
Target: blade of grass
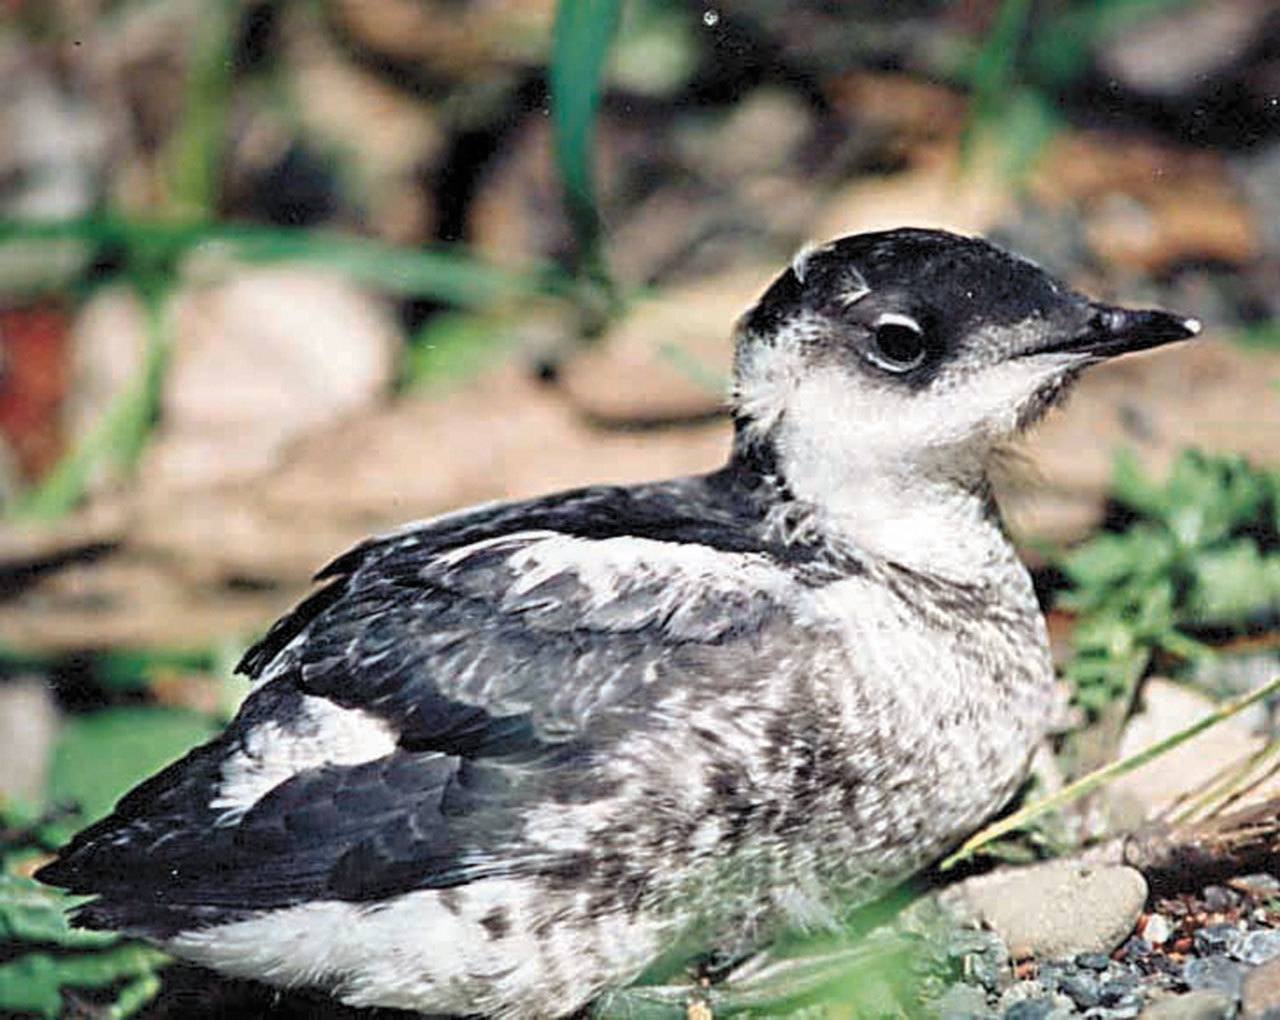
[581,40]
[444,275]
[118,436]
[992,72]
[195,152]
[1100,777]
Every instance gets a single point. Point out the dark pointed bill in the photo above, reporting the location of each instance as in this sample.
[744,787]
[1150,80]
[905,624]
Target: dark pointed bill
[1111,331]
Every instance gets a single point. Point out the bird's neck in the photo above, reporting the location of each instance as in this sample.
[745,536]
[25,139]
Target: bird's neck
[934,515]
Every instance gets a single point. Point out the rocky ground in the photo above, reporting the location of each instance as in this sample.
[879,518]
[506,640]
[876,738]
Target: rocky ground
[1211,954]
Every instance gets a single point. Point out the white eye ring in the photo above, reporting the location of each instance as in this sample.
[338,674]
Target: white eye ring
[891,326]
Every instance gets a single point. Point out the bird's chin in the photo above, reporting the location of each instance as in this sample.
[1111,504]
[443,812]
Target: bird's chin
[1051,393]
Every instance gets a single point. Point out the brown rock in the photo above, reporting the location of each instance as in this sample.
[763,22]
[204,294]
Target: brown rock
[1260,999]
[1167,708]
[669,357]
[1147,207]
[1057,908]
[935,191]
[259,360]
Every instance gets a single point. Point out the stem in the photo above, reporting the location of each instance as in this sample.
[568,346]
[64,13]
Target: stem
[1100,777]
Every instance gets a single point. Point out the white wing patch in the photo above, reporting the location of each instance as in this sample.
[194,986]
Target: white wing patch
[323,734]
[628,583]
[430,950]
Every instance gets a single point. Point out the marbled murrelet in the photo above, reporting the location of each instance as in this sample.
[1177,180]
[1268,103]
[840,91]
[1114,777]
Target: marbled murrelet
[503,759]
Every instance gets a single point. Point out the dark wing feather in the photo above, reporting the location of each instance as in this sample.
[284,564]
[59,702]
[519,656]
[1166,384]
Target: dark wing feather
[503,693]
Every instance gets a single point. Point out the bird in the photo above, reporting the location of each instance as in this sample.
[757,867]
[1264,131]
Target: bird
[501,761]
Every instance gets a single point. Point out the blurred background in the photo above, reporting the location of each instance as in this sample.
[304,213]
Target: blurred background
[277,274]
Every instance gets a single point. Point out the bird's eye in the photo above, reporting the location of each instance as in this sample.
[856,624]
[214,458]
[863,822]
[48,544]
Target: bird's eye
[897,343]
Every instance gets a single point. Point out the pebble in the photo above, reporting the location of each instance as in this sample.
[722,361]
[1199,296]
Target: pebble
[1030,1009]
[1201,1005]
[1158,930]
[1261,886]
[1093,961]
[1216,938]
[1081,989]
[1219,898]
[1256,947]
[1261,993]
[1058,908]
[983,954]
[1215,972]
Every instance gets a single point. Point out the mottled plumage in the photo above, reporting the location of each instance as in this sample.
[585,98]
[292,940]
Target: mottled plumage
[502,760]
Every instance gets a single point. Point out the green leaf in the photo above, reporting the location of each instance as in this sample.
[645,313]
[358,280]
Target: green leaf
[1134,488]
[30,912]
[1234,584]
[32,982]
[99,756]
[453,347]
[134,669]
[196,148]
[449,275]
[581,40]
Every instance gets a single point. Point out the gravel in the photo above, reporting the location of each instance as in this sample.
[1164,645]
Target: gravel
[1213,955]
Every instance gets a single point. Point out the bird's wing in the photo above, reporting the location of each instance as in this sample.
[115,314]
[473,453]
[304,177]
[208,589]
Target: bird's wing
[496,672]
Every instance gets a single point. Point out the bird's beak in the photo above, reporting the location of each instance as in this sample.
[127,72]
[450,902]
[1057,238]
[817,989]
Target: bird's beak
[1110,331]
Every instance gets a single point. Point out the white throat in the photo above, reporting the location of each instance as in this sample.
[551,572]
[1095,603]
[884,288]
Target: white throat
[918,500]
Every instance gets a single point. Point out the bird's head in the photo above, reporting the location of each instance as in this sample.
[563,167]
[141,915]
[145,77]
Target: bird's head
[916,351]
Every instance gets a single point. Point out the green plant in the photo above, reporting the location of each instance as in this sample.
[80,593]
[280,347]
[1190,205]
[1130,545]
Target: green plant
[1200,552]
[581,41]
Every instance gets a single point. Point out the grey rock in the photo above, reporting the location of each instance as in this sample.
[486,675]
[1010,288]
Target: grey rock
[1201,1005]
[1058,908]
[983,954]
[1262,993]
[1030,1009]
[1256,947]
[1220,898]
[963,1002]
[1261,886]
[1081,989]
[1216,972]
[1216,938]
[1093,961]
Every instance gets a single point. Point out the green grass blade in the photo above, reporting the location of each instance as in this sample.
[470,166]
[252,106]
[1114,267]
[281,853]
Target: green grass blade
[119,436]
[992,73]
[449,275]
[1100,777]
[581,40]
[196,149]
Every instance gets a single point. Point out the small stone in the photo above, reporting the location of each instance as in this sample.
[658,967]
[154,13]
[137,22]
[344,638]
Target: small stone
[983,954]
[1201,1005]
[1136,948]
[1261,993]
[1030,1009]
[1260,886]
[1215,938]
[1215,972]
[1059,909]
[1081,989]
[1257,947]
[1219,898]
[1093,961]
[1158,930]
